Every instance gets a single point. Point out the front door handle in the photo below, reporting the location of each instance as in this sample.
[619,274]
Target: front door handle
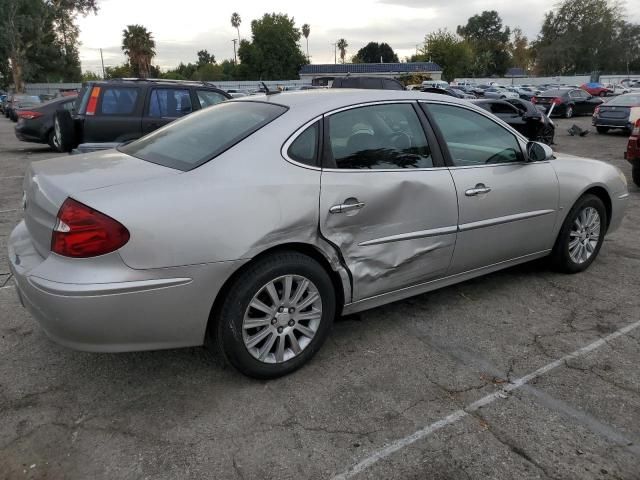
[477,190]
[346,207]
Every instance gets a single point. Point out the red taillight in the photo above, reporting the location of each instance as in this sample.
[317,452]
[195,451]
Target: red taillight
[636,129]
[534,100]
[558,100]
[93,101]
[29,115]
[82,232]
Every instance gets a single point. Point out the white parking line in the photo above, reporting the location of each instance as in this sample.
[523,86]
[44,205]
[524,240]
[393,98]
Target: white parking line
[12,176]
[463,412]
[7,286]
[10,210]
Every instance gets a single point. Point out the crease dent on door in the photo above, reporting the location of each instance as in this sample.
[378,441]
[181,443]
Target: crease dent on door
[404,234]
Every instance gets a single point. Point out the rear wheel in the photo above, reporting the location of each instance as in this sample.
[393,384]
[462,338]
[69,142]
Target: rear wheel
[635,174]
[52,140]
[603,94]
[569,111]
[602,129]
[276,316]
[547,134]
[64,130]
[581,235]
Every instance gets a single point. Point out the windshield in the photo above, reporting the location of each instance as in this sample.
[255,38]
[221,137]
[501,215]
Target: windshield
[197,138]
[553,93]
[630,100]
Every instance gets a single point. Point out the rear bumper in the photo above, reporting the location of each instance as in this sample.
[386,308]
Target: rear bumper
[102,305]
[612,122]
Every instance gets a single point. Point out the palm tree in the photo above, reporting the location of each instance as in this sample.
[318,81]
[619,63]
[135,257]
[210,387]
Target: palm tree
[138,44]
[306,30]
[342,46]
[235,23]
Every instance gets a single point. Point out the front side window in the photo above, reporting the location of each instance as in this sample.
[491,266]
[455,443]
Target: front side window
[503,108]
[169,102]
[195,139]
[118,100]
[386,136]
[473,139]
[208,98]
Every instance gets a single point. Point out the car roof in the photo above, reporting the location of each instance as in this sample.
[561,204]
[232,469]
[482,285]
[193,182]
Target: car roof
[317,102]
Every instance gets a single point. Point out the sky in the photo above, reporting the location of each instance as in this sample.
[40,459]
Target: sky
[182,28]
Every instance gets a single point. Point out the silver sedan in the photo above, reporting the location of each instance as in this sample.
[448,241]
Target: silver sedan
[252,224]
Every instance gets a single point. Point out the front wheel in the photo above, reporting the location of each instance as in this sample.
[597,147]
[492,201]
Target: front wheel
[581,235]
[276,316]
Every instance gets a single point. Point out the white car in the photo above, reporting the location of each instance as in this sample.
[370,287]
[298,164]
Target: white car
[500,92]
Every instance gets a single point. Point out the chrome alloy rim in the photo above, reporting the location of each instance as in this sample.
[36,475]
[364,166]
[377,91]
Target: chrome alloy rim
[57,134]
[584,235]
[282,319]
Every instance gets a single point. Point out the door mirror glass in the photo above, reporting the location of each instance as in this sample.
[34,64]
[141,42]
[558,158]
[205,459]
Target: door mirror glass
[537,152]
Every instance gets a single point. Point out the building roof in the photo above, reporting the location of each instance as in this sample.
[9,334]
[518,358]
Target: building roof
[409,67]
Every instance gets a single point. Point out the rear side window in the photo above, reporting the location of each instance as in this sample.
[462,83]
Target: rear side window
[193,140]
[118,101]
[169,102]
[208,98]
[304,148]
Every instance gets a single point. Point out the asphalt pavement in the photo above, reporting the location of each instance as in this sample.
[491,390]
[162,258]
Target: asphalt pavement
[522,374]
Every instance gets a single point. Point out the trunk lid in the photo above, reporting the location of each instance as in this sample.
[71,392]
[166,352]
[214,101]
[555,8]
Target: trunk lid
[47,184]
[614,112]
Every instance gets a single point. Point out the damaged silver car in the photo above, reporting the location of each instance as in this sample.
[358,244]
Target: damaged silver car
[254,223]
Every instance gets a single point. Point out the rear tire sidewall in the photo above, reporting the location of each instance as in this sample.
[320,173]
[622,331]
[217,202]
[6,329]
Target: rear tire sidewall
[635,174]
[229,333]
[66,139]
[51,140]
[561,259]
[602,130]
[569,112]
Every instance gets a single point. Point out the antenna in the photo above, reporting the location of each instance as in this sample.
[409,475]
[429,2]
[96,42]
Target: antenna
[267,91]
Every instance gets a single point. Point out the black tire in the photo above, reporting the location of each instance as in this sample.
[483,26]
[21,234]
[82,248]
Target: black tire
[228,328]
[635,174]
[602,130]
[560,258]
[63,122]
[568,113]
[603,94]
[547,134]
[52,141]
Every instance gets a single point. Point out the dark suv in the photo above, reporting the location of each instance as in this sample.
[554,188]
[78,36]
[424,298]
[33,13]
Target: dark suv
[117,111]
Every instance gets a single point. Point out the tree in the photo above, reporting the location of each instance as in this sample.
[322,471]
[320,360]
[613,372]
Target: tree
[306,30]
[90,76]
[119,71]
[451,52]
[205,57]
[273,52]
[520,51]
[138,44]
[39,39]
[583,36]
[485,34]
[374,52]
[235,23]
[342,46]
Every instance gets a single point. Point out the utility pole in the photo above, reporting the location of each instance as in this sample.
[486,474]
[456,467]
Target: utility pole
[102,61]
[335,53]
[235,58]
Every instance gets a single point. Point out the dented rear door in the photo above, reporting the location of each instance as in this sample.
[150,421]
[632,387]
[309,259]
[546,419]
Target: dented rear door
[384,201]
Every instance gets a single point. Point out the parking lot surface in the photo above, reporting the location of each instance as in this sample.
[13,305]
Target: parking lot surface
[524,374]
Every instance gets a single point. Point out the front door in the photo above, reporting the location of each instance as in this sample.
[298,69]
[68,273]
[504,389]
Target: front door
[386,201]
[507,206]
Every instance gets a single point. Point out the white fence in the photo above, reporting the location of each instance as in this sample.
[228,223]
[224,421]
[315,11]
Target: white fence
[53,88]
[567,80]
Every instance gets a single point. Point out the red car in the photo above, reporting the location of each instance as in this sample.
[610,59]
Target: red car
[633,153]
[596,89]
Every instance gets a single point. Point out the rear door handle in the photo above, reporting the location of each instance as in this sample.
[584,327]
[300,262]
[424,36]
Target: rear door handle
[477,190]
[346,207]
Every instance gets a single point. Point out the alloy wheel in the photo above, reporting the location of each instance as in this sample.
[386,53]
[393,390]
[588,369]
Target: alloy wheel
[584,235]
[282,319]
[58,133]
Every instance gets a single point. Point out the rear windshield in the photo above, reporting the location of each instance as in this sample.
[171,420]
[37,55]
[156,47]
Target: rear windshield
[629,100]
[30,99]
[197,138]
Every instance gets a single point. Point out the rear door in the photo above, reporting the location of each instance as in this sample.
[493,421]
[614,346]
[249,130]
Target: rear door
[510,115]
[165,104]
[387,201]
[206,98]
[117,115]
[507,206]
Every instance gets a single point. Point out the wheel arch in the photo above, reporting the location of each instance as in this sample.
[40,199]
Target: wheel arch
[603,195]
[340,277]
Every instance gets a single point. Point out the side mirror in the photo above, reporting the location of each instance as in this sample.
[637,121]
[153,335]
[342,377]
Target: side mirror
[537,152]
